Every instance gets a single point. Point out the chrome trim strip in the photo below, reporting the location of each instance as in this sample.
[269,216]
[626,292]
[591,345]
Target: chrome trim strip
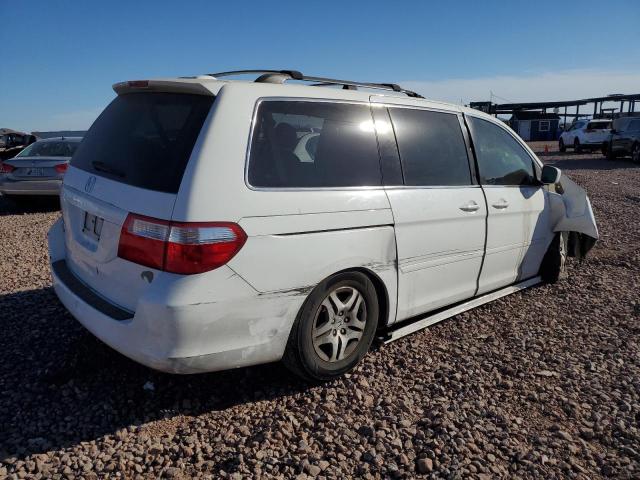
[421,322]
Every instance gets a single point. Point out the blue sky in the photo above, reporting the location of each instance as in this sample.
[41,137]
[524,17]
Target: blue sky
[61,57]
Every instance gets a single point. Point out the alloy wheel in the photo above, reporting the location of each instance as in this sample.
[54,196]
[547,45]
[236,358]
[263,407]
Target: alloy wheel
[339,324]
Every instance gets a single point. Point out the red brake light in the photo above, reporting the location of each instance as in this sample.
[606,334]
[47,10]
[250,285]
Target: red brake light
[4,168]
[184,248]
[143,240]
[62,167]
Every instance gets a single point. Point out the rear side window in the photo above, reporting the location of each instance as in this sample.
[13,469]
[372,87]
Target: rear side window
[299,144]
[144,139]
[432,148]
[50,149]
[501,159]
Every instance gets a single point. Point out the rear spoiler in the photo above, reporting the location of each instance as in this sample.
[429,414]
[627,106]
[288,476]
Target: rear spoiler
[170,86]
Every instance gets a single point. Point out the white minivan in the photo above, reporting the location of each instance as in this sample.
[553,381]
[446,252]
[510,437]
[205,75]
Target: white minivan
[210,223]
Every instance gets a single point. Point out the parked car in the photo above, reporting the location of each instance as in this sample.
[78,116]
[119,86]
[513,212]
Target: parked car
[12,143]
[625,139]
[194,239]
[585,135]
[39,168]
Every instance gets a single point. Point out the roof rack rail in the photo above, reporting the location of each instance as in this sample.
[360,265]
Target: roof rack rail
[281,76]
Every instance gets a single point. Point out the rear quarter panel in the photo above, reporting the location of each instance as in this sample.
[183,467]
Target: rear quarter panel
[285,264]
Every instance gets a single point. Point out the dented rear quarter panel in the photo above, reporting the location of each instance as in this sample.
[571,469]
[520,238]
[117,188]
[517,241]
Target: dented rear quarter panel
[302,260]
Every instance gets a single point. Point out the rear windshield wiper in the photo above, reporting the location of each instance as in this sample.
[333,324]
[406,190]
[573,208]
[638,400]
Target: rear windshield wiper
[103,167]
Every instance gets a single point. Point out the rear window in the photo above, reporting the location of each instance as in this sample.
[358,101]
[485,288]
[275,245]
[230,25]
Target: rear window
[598,125]
[50,149]
[299,144]
[144,139]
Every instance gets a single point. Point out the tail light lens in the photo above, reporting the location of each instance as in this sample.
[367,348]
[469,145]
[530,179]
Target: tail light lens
[4,168]
[62,167]
[184,248]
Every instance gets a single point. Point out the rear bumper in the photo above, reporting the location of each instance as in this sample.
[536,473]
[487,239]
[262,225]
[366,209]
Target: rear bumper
[30,187]
[594,143]
[172,330]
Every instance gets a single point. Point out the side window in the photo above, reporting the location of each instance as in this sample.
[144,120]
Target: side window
[501,159]
[432,148]
[634,126]
[313,144]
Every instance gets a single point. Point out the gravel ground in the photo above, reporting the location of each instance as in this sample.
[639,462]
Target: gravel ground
[543,383]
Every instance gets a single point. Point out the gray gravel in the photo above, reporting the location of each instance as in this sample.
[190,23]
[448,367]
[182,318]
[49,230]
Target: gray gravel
[543,383]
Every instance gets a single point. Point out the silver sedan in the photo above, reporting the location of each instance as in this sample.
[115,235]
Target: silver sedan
[39,168]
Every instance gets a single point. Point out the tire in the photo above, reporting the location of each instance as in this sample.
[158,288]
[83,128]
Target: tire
[611,155]
[331,322]
[554,263]
[635,153]
[576,146]
[561,146]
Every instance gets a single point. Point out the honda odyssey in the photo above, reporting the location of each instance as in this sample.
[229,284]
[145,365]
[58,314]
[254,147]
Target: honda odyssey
[210,223]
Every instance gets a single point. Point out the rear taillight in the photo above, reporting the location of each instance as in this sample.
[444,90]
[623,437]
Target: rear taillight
[176,247]
[62,167]
[4,168]
[143,240]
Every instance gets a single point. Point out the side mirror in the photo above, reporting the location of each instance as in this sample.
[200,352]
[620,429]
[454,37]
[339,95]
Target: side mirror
[550,175]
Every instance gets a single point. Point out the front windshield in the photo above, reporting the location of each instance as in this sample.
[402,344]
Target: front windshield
[49,149]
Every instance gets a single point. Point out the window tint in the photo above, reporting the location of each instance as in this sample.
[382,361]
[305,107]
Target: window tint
[501,159]
[634,125]
[144,139]
[432,148]
[313,144]
[598,125]
[50,149]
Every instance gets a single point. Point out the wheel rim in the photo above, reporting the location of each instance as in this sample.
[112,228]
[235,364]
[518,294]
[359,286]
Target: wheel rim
[563,254]
[339,324]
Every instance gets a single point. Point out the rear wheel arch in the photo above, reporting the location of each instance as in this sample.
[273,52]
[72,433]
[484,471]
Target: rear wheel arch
[382,292]
[301,354]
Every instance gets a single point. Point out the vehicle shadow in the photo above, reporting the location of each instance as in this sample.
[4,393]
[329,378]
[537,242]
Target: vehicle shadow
[22,205]
[61,386]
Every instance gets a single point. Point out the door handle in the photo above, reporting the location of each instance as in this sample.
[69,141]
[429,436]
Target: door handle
[470,206]
[501,204]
